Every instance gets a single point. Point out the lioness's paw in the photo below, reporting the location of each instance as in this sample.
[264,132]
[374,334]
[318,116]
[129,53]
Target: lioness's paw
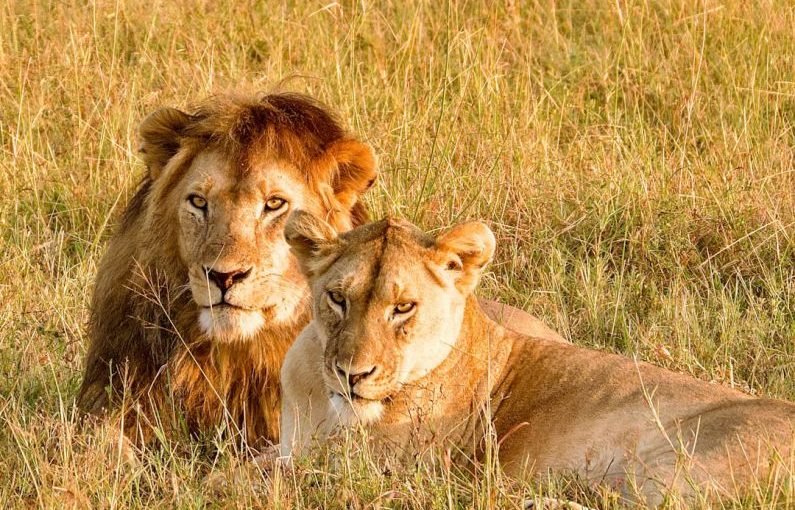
[269,459]
[552,504]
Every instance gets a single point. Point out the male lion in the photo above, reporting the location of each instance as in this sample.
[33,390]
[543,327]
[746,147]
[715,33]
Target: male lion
[399,344]
[198,298]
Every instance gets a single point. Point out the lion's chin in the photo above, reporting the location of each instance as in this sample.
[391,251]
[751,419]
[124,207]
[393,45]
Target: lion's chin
[228,324]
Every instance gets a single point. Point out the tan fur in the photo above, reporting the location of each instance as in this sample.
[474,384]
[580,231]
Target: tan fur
[154,328]
[550,406]
[149,331]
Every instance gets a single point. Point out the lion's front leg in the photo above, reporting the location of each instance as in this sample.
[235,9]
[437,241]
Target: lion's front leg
[93,398]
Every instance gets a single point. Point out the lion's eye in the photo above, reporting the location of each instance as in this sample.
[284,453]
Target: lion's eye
[336,297]
[404,307]
[274,204]
[198,202]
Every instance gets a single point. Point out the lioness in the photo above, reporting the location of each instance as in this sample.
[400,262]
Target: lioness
[198,297]
[398,343]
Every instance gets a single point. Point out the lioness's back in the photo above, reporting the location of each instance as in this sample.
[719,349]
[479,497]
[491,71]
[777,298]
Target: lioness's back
[602,414]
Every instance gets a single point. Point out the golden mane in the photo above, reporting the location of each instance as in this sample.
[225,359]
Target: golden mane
[143,332]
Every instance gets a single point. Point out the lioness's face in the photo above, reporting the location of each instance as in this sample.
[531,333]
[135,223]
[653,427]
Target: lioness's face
[241,273]
[388,303]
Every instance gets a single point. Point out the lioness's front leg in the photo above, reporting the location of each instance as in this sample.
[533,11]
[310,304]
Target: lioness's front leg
[305,403]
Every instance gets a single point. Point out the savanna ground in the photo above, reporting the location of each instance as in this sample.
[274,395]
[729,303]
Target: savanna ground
[635,160]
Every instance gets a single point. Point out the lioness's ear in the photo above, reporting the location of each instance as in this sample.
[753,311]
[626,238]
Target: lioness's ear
[468,247]
[310,239]
[160,133]
[356,170]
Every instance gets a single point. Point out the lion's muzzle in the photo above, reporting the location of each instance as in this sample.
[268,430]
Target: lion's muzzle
[224,281]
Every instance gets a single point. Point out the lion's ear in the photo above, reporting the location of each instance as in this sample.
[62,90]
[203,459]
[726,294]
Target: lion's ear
[310,239]
[356,170]
[160,136]
[467,248]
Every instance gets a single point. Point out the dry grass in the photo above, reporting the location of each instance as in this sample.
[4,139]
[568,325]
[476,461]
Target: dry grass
[634,158]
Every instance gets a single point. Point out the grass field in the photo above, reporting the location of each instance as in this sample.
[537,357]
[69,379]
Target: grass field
[635,159]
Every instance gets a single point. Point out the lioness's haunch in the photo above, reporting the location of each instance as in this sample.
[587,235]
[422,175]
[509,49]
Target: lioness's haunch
[198,297]
[398,343]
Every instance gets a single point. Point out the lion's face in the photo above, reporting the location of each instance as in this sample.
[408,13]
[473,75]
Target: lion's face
[221,212]
[388,302]
[241,273]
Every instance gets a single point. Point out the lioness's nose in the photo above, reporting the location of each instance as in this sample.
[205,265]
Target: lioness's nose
[226,280]
[355,374]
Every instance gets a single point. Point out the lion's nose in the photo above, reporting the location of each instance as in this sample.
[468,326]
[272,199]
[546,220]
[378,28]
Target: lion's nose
[226,280]
[355,374]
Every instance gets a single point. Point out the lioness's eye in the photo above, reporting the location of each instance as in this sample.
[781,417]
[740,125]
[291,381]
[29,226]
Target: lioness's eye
[404,307]
[197,201]
[336,297]
[274,203]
